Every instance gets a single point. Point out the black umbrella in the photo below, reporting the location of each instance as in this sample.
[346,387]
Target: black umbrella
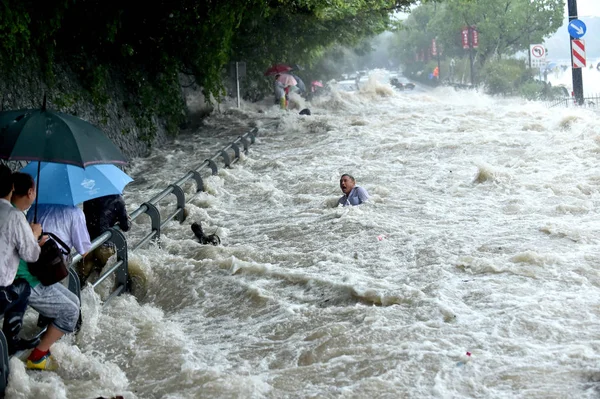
[43,135]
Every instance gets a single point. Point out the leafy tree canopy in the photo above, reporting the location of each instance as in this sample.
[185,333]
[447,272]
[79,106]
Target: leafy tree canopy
[194,37]
[504,26]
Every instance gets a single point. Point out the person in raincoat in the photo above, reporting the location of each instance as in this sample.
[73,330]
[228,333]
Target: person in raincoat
[279,91]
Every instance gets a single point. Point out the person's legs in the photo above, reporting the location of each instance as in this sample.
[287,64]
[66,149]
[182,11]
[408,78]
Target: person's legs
[55,302]
[13,302]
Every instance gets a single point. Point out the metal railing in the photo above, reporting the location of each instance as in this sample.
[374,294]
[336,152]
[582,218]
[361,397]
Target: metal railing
[115,236]
[230,154]
[592,101]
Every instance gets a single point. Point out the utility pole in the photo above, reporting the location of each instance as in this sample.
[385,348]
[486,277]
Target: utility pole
[577,73]
[529,44]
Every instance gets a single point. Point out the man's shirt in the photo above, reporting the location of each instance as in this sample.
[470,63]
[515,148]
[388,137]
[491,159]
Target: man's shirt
[66,222]
[357,196]
[16,242]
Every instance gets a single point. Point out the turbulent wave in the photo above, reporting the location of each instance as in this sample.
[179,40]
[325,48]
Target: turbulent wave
[480,236]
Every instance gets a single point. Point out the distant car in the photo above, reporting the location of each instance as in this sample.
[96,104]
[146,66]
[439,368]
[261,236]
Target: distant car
[401,86]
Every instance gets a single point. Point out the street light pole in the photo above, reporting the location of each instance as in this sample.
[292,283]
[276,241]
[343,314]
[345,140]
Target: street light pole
[577,72]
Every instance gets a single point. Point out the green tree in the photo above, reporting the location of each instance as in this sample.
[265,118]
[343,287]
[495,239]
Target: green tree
[504,26]
[148,48]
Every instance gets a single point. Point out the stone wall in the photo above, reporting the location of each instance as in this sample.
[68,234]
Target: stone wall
[25,88]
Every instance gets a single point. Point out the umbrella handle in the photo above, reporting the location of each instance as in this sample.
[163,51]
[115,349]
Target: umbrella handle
[37,186]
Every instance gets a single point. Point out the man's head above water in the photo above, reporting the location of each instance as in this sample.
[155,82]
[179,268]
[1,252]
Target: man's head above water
[347,183]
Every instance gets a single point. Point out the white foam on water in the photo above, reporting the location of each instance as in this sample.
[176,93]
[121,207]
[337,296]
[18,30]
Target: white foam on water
[487,213]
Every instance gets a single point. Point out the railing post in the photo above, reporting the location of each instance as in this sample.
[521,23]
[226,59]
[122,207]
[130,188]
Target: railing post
[4,365]
[246,143]
[226,159]
[178,191]
[199,182]
[252,135]
[122,273]
[236,150]
[213,166]
[74,283]
[154,214]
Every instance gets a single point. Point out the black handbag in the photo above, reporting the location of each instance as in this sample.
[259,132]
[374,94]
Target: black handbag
[51,266]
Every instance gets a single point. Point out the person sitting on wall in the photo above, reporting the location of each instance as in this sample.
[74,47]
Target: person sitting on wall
[17,240]
[353,194]
[100,215]
[54,301]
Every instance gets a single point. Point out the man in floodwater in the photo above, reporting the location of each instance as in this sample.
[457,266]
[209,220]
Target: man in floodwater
[353,194]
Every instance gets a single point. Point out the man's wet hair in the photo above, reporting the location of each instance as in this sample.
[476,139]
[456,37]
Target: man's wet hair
[22,183]
[6,184]
[349,176]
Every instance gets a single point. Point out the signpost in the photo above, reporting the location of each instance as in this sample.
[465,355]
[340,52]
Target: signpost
[578,53]
[475,37]
[237,70]
[537,54]
[465,38]
[578,28]
[470,40]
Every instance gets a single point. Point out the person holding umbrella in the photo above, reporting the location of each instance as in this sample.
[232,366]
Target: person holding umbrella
[99,187]
[279,91]
[288,82]
[44,135]
[17,240]
[54,301]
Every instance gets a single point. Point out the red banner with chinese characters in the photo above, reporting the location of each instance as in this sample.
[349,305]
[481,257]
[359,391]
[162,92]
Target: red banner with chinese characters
[465,37]
[474,37]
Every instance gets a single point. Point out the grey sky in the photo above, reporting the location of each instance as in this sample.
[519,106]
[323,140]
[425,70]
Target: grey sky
[586,8]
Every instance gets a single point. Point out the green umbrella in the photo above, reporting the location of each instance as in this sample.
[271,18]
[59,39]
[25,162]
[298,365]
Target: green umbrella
[43,135]
[49,136]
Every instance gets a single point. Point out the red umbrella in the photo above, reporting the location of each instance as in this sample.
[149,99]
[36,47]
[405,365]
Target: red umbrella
[278,68]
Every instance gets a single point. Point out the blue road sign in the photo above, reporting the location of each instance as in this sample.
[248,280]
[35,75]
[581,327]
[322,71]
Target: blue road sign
[577,28]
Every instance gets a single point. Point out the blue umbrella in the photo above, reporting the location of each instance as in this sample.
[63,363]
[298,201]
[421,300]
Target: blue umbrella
[70,185]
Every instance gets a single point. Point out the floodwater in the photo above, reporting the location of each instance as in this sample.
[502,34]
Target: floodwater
[481,236]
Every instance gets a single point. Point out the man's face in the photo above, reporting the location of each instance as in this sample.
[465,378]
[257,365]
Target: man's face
[31,194]
[346,184]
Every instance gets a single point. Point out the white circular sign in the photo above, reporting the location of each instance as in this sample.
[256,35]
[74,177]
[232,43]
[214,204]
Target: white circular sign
[538,51]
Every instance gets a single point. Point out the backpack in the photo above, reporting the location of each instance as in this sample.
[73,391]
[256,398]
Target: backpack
[51,266]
